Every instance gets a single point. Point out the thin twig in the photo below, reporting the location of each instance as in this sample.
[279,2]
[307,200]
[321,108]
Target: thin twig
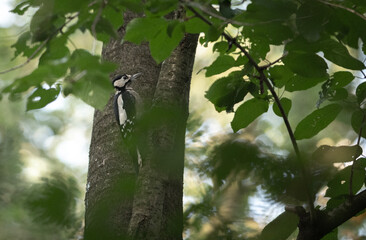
[344,7]
[264,67]
[40,47]
[277,100]
[226,20]
[30,58]
[354,160]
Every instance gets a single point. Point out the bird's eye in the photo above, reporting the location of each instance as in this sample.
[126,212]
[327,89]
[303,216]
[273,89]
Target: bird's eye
[125,77]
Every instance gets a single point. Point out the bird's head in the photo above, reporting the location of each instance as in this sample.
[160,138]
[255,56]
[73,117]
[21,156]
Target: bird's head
[123,80]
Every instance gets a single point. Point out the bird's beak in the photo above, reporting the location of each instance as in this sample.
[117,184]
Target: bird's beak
[133,77]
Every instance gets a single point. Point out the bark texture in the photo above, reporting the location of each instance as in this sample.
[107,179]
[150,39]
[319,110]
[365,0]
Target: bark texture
[119,203]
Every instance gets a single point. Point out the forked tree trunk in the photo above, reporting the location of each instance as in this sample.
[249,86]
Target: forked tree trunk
[119,203]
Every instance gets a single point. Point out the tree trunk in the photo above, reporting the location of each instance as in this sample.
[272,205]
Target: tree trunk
[121,204]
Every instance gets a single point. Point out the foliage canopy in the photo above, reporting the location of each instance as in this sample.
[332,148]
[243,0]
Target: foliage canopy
[323,44]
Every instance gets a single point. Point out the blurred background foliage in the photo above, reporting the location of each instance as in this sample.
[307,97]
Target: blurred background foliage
[43,160]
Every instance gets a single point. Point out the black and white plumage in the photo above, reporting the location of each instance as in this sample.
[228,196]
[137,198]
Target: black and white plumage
[127,104]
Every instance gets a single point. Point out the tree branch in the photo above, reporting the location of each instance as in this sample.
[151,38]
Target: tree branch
[343,7]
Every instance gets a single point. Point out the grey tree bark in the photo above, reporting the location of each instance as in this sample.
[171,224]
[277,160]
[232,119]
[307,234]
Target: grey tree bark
[121,204]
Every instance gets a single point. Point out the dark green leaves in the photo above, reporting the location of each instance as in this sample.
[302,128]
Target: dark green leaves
[339,186]
[286,105]
[358,122]
[361,92]
[222,64]
[225,92]
[317,121]
[248,112]
[163,39]
[342,79]
[281,227]
[310,20]
[306,64]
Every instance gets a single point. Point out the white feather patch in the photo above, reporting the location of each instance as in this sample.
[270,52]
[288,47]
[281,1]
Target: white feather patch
[121,112]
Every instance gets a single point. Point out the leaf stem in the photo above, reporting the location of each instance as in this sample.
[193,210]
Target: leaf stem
[263,78]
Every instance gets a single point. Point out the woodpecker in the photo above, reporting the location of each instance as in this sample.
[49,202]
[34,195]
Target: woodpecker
[127,108]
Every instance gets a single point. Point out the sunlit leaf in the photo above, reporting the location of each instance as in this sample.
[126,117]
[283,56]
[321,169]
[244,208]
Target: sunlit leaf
[42,97]
[317,121]
[337,53]
[331,154]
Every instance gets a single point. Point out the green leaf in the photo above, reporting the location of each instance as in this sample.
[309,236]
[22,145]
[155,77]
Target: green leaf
[357,121]
[133,5]
[299,83]
[39,75]
[337,53]
[330,154]
[361,92]
[310,20]
[221,64]
[161,7]
[56,58]
[144,29]
[162,45]
[248,112]
[286,104]
[225,8]
[113,15]
[105,30]
[23,46]
[306,64]
[317,121]
[225,92]
[280,75]
[196,25]
[212,34]
[339,185]
[89,79]
[41,97]
[342,79]
[281,227]
[21,8]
